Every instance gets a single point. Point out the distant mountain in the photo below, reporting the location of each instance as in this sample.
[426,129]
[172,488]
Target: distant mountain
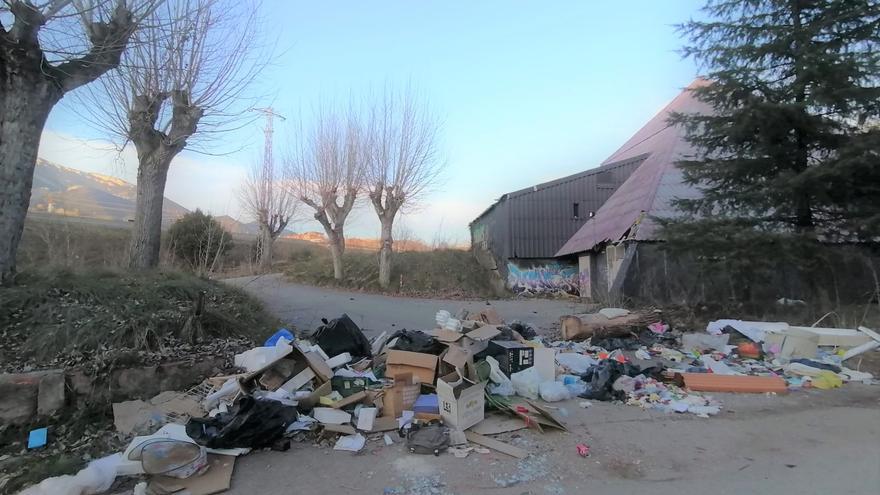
[236,227]
[65,191]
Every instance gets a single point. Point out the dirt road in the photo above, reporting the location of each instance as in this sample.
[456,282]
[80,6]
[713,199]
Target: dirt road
[801,443]
[304,306]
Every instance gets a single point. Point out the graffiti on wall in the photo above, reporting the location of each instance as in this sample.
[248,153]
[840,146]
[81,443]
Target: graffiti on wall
[542,277]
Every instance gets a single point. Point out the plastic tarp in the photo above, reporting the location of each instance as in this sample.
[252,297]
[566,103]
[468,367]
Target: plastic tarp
[250,423]
[342,335]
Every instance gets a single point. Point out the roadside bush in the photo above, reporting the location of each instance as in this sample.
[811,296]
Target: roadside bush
[199,240]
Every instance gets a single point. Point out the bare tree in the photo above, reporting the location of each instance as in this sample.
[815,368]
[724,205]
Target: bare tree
[326,172]
[182,82]
[405,163]
[265,198]
[48,49]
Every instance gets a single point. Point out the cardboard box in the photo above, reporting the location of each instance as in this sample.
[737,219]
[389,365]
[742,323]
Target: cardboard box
[512,357]
[288,366]
[793,343]
[419,365]
[401,396]
[462,402]
[477,340]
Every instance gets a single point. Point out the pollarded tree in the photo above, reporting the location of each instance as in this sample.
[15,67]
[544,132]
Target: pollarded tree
[405,162]
[325,170]
[48,49]
[792,145]
[266,199]
[181,83]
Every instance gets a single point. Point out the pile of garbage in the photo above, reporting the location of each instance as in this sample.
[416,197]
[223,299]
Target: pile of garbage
[449,389]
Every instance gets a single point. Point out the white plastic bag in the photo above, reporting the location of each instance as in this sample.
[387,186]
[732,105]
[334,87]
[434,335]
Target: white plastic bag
[527,383]
[95,478]
[576,363]
[553,391]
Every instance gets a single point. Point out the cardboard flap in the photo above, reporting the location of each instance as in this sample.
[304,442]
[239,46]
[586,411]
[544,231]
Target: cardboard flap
[457,356]
[484,333]
[416,359]
[448,335]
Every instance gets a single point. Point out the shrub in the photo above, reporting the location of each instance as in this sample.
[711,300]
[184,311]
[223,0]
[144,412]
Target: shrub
[199,240]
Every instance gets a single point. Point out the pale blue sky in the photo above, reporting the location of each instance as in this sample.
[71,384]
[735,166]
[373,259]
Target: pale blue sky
[529,91]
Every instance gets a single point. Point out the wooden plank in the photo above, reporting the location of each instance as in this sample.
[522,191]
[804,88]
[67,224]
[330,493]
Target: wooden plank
[504,448]
[710,382]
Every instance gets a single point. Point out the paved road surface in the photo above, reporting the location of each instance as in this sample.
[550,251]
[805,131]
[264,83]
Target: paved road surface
[802,443]
[304,306]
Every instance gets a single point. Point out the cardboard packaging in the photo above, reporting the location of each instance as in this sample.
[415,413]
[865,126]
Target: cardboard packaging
[793,343]
[512,357]
[462,400]
[401,396]
[477,340]
[287,367]
[421,366]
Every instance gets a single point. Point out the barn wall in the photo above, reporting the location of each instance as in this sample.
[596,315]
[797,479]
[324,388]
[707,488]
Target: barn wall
[543,277]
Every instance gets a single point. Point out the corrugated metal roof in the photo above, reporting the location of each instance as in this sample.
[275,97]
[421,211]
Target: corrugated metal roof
[650,190]
[603,167]
[541,218]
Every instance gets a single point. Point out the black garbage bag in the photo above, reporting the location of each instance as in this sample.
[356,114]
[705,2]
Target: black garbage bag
[253,423]
[527,331]
[416,341]
[600,379]
[342,335]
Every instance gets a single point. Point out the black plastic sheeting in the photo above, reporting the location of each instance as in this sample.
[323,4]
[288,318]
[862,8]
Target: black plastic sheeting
[416,341]
[251,423]
[342,335]
[600,379]
[527,331]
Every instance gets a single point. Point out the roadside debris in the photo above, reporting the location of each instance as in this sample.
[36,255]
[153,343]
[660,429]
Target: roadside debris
[447,390]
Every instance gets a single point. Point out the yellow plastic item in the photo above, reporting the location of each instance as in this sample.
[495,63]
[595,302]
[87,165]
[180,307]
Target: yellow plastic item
[826,380]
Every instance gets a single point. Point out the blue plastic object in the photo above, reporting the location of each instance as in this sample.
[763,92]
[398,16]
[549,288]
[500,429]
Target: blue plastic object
[281,333]
[427,403]
[38,438]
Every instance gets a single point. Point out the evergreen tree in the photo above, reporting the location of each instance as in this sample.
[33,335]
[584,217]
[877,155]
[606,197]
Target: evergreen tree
[791,154]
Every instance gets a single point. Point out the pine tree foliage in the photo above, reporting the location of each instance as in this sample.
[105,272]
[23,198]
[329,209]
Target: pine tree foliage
[793,145]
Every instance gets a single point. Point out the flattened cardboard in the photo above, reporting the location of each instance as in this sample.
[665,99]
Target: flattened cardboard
[328,415]
[422,366]
[385,423]
[477,340]
[495,424]
[351,399]
[493,444]
[217,479]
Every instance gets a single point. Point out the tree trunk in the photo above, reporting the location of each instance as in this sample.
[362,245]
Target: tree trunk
[266,243]
[385,252]
[336,254]
[146,236]
[25,102]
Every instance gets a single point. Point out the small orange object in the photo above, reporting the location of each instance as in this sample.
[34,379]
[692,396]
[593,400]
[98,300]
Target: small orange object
[603,356]
[749,350]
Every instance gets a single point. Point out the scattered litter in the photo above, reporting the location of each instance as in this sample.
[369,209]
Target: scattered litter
[583,450]
[351,443]
[38,438]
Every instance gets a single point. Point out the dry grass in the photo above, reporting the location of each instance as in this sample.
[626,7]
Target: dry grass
[448,273]
[56,312]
